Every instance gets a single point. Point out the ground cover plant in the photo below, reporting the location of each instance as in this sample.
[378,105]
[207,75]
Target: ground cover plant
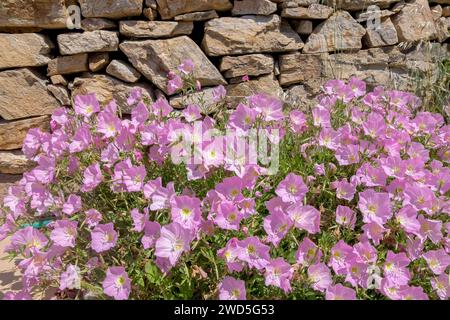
[348,201]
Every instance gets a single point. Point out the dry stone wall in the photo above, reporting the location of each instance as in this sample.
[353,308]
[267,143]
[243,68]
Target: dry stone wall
[51,50]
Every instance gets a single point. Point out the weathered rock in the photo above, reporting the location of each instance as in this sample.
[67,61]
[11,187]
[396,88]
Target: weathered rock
[355,5]
[7,180]
[155,29]
[325,38]
[107,88]
[150,14]
[249,34]
[171,8]
[415,22]
[446,11]
[373,15]
[203,98]
[300,97]
[376,66]
[98,61]
[314,11]
[298,68]
[259,7]
[197,16]
[251,65]
[49,14]
[113,9]
[267,84]
[60,93]
[156,58]
[303,27]
[384,34]
[436,11]
[442,29]
[123,71]
[12,133]
[24,50]
[92,24]
[151,4]
[58,79]
[297,3]
[92,41]
[68,64]
[14,163]
[23,94]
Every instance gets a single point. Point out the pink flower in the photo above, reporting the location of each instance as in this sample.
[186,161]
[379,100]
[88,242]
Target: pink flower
[70,279]
[277,225]
[140,114]
[365,253]
[192,113]
[135,96]
[347,155]
[254,253]
[103,237]
[320,277]
[407,217]
[72,205]
[345,216]
[270,108]
[117,284]
[279,273]
[340,255]
[186,211]
[430,229]
[139,220]
[413,293]
[109,124]
[375,206]
[437,260]
[339,292]
[86,105]
[64,233]
[82,139]
[92,177]
[308,253]
[93,217]
[219,93]
[242,118]
[345,190]
[232,289]
[395,268]
[374,231]
[297,120]
[375,126]
[228,216]
[420,198]
[152,232]
[186,67]
[357,86]
[28,238]
[441,286]
[321,117]
[131,176]
[174,240]
[174,84]
[292,189]
[305,217]
[230,254]
[32,143]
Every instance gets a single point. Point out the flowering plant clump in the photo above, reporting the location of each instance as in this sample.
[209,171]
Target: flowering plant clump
[351,203]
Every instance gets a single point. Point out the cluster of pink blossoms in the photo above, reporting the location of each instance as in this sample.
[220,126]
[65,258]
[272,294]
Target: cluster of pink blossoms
[394,198]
